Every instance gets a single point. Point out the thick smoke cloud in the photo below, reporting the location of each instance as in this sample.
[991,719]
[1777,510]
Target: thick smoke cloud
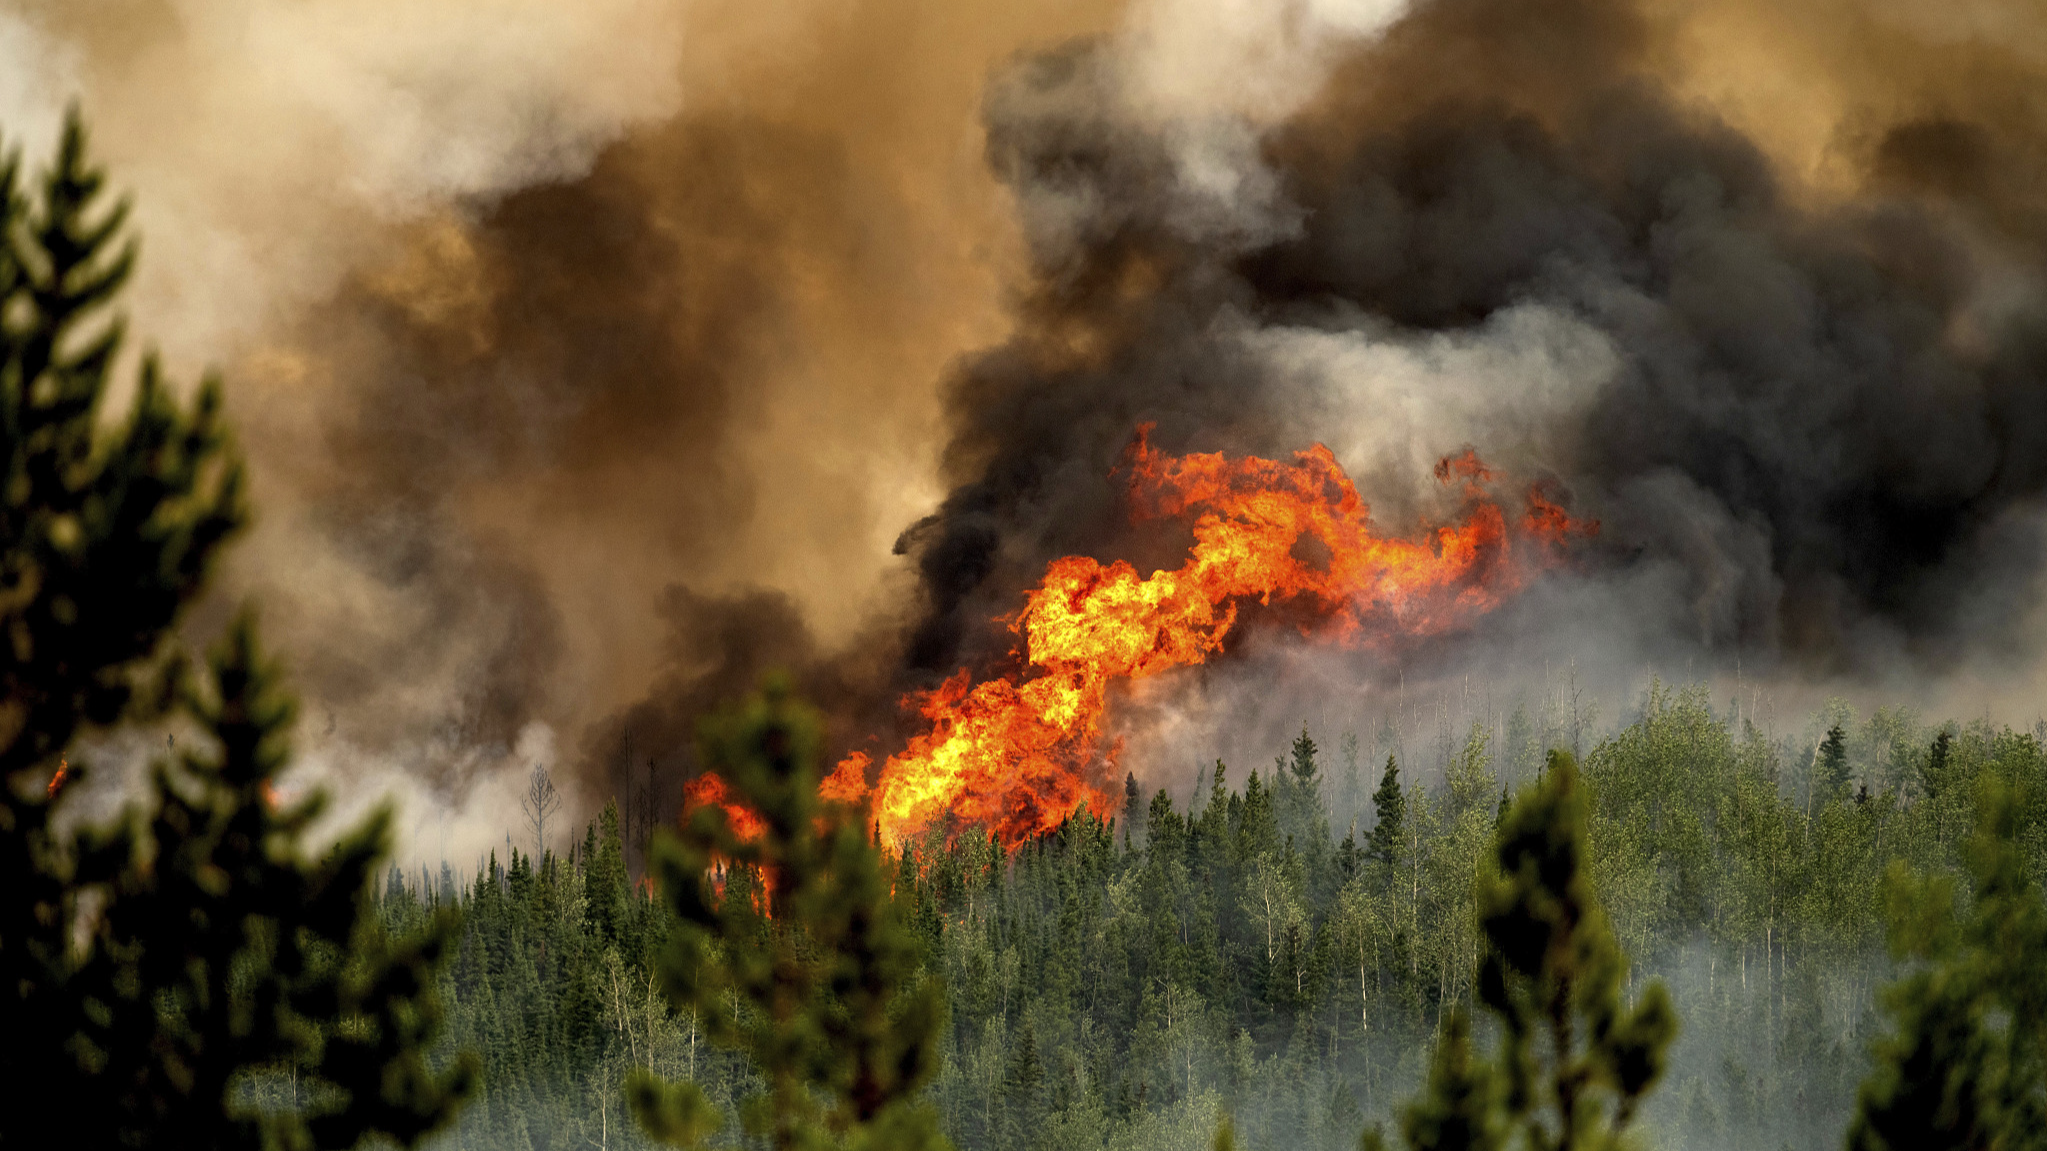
[1808,411]
[592,357]
[536,317]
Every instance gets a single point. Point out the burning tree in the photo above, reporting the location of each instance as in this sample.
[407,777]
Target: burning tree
[159,969]
[1022,753]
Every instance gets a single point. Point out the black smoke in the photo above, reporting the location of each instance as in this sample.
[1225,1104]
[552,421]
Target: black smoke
[1829,411]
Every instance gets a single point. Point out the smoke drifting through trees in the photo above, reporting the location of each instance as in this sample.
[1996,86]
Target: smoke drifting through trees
[1756,285]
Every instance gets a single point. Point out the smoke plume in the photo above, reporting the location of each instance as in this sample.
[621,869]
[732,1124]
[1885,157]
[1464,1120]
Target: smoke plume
[595,358]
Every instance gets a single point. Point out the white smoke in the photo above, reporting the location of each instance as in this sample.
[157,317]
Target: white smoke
[270,144]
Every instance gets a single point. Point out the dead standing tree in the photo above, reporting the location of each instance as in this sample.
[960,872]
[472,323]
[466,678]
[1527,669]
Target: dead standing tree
[539,803]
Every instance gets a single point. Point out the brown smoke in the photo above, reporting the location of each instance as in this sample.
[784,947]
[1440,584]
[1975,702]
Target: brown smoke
[1767,277]
[536,315]
[593,357]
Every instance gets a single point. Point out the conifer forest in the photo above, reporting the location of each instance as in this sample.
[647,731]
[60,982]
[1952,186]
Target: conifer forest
[1285,945]
[1023,575]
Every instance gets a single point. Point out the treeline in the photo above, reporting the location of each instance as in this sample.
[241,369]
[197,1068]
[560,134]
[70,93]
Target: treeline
[1261,953]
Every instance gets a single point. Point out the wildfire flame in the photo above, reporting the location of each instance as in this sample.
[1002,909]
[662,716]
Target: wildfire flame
[1020,755]
[57,780]
[710,790]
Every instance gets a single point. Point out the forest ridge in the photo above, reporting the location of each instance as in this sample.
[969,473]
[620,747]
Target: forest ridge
[1284,948]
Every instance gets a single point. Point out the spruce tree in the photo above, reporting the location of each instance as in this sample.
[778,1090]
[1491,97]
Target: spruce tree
[1574,1061]
[1349,858]
[1257,824]
[1133,811]
[605,882]
[1933,772]
[162,975]
[806,962]
[1390,804]
[1830,767]
[1966,1062]
[1303,764]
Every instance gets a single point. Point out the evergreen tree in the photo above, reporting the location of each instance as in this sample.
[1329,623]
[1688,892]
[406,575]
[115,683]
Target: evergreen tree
[1830,767]
[807,963]
[1966,1065]
[604,879]
[1306,771]
[1022,1089]
[1933,772]
[1390,804]
[1133,810]
[162,976]
[1553,971]
[1348,811]
[1257,824]
[1349,857]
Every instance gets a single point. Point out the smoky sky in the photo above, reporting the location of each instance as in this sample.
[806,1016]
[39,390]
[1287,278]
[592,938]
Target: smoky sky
[590,359]
[1827,408]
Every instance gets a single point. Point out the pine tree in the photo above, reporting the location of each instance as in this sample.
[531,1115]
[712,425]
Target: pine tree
[1257,825]
[1552,970]
[162,975]
[1348,812]
[1302,762]
[1933,772]
[1022,1086]
[807,962]
[1830,769]
[1390,803]
[1133,811]
[1966,1065]
[604,880]
[1349,857]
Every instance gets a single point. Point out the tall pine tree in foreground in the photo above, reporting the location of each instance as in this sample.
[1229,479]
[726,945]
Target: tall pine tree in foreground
[816,973]
[160,975]
[1575,1060]
[1966,1063]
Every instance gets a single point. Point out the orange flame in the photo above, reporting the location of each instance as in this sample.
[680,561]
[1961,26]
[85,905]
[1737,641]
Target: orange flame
[709,790]
[848,782]
[57,780]
[1021,755]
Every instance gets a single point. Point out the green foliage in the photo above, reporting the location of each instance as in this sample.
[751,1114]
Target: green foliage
[1461,1108]
[1391,806]
[1113,999]
[1966,1063]
[1575,1060]
[1830,771]
[161,975]
[1933,773]
[807,961]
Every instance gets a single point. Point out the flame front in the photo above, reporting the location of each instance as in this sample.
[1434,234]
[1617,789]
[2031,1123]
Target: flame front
[709,789]
[1019,756]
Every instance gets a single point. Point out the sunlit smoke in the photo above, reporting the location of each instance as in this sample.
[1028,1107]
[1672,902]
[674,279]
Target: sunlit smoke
[591,358]
[1018,755]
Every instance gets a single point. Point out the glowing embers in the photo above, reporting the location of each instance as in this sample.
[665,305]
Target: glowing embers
[1019,755]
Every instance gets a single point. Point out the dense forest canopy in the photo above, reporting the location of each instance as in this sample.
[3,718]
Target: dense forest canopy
[1286,945]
